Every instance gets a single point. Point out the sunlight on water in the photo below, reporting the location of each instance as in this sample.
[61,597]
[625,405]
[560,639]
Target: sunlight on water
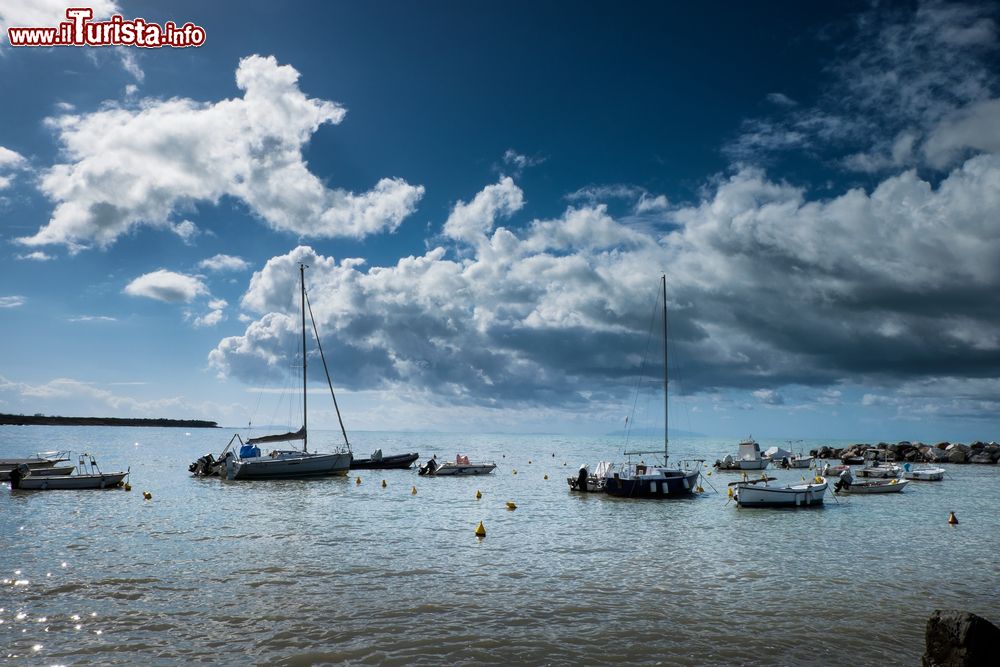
[325,570]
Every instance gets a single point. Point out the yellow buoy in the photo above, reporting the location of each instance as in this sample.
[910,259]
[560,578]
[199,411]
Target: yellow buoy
[357,480]
[952,519]
[545,477]
[478,494]
[698,489]
[413,491]
[384,484]
[730,494]
[819,480]
[128,487]
[147,495]
[511,505]
[480,530]
[709,473]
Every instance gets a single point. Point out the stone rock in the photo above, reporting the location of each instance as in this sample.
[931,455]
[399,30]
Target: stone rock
[956,455]
[912,455]
[942,445]
[982,458]
[959,639]
[995,456]
[934,455]
[977,445]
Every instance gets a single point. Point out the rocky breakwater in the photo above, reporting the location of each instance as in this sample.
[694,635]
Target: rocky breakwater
[918,452]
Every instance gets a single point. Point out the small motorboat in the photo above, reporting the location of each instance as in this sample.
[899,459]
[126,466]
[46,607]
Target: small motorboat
[460,466]
[380,462]
[588,482]
[834,471]
[922,474]
[748,457]
[879,466]
[88,476]
[40,461]
[847,484]
[758,493]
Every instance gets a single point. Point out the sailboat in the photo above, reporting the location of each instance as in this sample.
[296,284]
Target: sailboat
[638,480]
[248,463]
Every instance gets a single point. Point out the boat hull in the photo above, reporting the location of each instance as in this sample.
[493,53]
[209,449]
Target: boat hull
[397,461]
[879,472]
[925,475]
[70,482]
[42,471]
[288,466]
[450,469]
[875,487]
[653,486]
[793,495]
[753,465]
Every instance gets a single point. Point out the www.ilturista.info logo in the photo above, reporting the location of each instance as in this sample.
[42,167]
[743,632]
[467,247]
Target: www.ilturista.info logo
[80,30]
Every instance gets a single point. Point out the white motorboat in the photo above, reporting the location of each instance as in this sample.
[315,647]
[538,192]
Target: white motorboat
[847,484]
[876,468]
[590,482]
[249,463]
[89,477]
[748,457]
[460,466]
[758,493]
[36,463]
[922,474]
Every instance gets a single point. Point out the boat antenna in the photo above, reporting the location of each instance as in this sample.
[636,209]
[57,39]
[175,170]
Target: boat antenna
[305,431]
[326,370]
[666,411]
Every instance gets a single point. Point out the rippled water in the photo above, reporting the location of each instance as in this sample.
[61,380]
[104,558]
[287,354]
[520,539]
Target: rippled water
[327,571]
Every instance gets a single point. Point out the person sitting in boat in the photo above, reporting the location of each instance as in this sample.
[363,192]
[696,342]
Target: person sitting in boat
[461,460]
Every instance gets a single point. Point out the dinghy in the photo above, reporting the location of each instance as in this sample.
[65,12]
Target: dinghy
[758,493]
[89,477]
[847,484]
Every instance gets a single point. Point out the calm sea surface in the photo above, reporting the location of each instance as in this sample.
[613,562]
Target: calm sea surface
[327,571]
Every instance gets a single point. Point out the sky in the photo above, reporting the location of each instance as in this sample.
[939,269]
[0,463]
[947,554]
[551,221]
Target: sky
[486,196]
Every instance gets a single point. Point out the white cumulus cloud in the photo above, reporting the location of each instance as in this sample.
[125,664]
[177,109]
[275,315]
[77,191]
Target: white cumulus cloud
[223,263]
[135,166]
[168,286]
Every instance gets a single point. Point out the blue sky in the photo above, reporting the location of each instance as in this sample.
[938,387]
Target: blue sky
[487,195]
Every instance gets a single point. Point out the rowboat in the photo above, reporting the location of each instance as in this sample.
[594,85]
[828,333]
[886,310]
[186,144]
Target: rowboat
[380,462]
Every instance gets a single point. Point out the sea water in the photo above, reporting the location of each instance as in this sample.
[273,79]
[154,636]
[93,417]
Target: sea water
[331,571]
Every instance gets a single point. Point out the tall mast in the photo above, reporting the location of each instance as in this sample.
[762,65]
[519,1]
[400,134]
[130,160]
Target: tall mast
[302,284]
[666,438]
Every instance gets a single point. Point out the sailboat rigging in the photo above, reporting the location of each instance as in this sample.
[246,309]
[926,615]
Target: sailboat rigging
[248,463]
[653,481]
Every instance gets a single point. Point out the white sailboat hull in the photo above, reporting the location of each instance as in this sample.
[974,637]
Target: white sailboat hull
[288,465]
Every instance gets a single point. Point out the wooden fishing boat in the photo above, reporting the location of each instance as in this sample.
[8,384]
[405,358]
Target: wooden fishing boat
[847,484]
[758,493]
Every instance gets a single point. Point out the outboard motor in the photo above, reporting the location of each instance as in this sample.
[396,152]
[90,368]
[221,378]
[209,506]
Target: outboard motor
[17,474]
[581,479]
[428,468]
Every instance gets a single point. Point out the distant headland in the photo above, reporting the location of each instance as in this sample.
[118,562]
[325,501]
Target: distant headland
[42,420]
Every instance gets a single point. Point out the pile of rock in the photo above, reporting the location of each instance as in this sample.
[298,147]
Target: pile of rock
[918,452]
[959,639]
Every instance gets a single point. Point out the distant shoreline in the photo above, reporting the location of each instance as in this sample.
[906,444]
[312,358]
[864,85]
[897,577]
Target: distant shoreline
[41,420]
